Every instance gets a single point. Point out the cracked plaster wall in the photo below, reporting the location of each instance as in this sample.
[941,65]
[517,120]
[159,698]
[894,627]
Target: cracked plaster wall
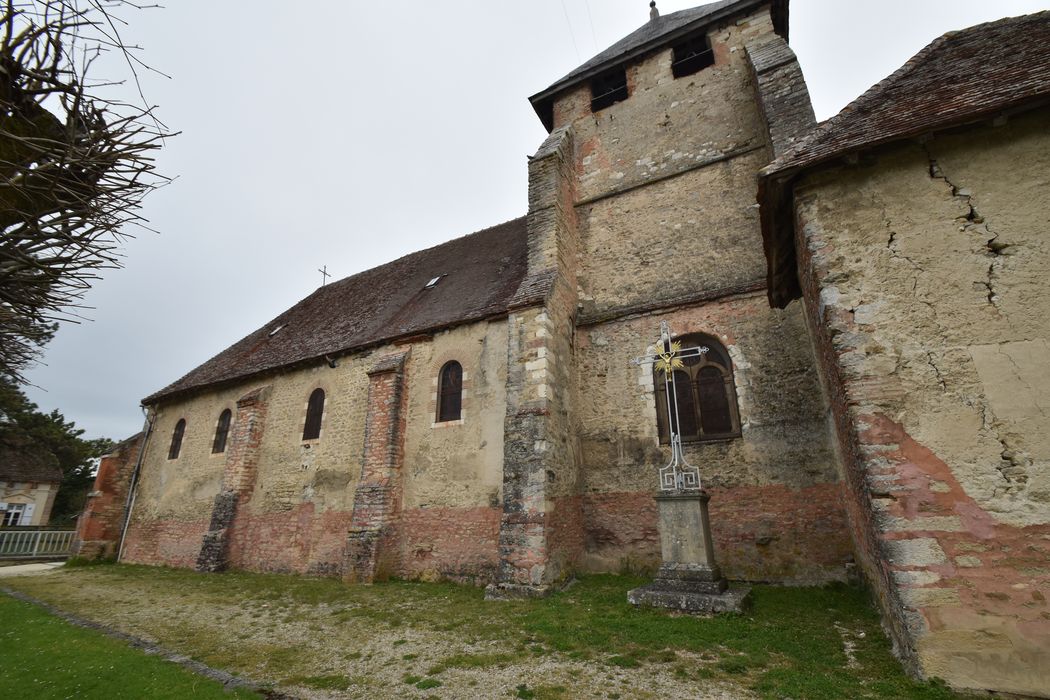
[926,268]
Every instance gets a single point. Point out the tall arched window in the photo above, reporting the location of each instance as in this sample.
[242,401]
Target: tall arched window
[314,413]
[221,431]
[707,408]
[176,439]
[450,392]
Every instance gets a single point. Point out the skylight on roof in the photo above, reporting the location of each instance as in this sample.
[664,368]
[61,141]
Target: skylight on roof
[275,331]
[433,283]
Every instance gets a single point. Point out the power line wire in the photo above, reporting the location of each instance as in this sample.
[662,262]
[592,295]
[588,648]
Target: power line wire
[590,19]
[571,33]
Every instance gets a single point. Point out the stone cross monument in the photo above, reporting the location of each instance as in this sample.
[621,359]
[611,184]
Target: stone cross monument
[689,579]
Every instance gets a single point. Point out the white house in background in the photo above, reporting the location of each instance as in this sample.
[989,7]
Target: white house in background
[29,482]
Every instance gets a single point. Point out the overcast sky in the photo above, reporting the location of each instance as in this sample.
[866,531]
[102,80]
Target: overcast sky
[347,134]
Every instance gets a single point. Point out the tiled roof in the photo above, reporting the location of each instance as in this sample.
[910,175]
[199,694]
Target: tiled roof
[480,275]
[982,70]
[962,77]
[22,460]
[654,33]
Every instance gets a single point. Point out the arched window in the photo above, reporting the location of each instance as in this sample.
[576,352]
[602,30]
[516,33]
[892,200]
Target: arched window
[450,392]
[707,408]
[221,431]
[314,413]
[176,439]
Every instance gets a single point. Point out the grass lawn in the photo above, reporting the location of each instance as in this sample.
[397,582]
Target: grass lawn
[443,640]
[46,657]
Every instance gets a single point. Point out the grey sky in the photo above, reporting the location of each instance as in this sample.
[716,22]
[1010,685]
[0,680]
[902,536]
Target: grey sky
[347,134]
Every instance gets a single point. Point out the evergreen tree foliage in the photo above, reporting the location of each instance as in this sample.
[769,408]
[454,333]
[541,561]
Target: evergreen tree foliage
[23,427]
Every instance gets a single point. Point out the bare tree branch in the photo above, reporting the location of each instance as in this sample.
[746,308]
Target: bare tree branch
[74,165]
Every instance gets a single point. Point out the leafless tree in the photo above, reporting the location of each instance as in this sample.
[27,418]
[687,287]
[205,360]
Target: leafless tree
[74,165]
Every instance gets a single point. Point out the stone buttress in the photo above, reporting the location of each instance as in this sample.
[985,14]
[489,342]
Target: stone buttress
[371,549]
[539,540]
[238,478]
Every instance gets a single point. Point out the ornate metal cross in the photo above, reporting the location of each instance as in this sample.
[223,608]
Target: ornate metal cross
[678,475]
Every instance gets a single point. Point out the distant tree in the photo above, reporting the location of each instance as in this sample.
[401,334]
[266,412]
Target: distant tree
[24,427]
[74,166]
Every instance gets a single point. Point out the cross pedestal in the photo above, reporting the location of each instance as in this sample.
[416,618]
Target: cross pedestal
[689,580]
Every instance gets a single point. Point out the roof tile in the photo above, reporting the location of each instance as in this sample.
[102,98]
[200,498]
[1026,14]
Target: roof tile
[480,275]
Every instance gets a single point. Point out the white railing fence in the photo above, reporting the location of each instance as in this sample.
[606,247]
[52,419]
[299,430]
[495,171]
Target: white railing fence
[35,544]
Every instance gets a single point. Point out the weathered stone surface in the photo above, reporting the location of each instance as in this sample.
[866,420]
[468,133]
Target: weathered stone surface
[655,595]
[100,526]
[923,270]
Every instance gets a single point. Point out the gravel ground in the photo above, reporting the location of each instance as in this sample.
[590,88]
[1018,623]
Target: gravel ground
[324,650]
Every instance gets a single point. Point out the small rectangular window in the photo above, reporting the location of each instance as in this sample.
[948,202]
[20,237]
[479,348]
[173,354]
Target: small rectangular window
[608,89]
[692,56]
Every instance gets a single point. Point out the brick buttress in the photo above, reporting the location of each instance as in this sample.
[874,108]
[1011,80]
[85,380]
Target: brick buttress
[371,544]
[238,478]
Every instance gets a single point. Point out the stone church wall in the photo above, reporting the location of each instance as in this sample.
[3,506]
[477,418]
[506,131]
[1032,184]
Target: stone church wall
[776,507]
[925,275]
[454,471]
[298,512]
[667,125]
[666,179]
[667,220]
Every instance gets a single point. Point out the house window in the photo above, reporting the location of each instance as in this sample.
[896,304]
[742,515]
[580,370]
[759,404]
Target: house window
[450,392]
[176,439]
[706,395]
[13,514]
[221,431]
[692,56]
[608,89]
[314,413]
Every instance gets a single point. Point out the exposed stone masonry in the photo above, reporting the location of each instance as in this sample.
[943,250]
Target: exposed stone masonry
[238,479]
[371,545]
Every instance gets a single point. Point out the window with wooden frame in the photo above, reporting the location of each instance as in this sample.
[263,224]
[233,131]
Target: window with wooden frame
[222,430]
[176,439]
[691,56]
[707,406]
[608,88]
[450,392]
[314,414]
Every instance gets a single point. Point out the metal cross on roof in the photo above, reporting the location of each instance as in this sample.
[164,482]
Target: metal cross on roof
[678,474]
[324,275]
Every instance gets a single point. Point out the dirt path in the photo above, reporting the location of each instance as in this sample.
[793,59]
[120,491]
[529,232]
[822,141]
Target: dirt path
[328,649]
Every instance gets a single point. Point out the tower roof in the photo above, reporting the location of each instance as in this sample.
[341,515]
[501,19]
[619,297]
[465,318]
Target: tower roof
[655,33]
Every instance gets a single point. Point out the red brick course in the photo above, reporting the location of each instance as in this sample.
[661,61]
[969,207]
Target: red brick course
[98,527]
[372,550]
[164,542]
[453,543]
[299,541]
[762,533]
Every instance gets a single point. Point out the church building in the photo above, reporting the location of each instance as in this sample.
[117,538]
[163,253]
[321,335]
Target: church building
[872,401]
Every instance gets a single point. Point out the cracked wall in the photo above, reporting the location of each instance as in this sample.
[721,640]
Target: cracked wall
[925,271]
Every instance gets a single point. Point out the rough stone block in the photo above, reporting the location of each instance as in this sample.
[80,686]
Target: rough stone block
[919,552]
[731,600]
